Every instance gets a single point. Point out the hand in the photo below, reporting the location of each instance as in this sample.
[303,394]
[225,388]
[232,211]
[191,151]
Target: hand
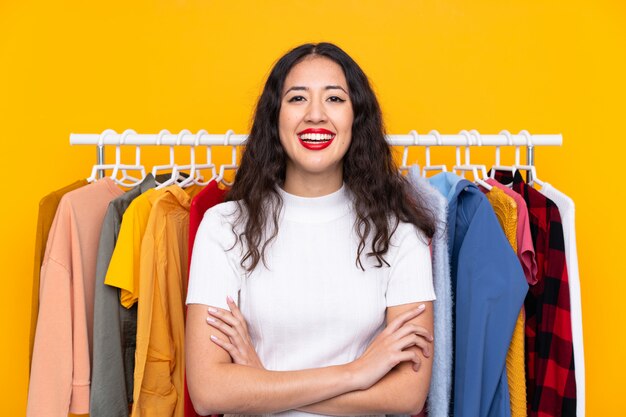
[388,349]
[233,324]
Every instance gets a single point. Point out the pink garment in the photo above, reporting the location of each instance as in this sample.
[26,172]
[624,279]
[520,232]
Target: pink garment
[60,373]
[525,248]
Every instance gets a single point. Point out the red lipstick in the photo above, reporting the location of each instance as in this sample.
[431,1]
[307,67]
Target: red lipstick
[316,139]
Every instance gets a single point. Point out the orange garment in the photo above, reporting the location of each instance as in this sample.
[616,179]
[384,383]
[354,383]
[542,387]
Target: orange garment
[60,371]
[159,358]
[47,209]
[506,212]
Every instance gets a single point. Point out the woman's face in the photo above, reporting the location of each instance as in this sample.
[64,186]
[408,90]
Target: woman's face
[315,120]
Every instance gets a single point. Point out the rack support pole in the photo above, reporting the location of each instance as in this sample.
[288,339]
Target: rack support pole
[100,159]
[530,160]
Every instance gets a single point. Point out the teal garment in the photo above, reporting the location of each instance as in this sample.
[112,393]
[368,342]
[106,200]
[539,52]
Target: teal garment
[489,288]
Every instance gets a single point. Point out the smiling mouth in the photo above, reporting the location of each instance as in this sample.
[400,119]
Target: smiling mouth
[316,141]
[316,137]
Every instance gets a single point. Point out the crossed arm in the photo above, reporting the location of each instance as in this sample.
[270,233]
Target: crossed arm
[392,375]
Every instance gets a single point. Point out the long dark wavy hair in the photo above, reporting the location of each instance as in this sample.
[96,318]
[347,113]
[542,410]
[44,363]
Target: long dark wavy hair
[369,172]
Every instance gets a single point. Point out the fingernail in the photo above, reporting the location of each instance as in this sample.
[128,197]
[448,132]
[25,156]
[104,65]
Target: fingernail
[431,338]
[213,337]
[421,306]
[230,300]
[210,319]
[212,310]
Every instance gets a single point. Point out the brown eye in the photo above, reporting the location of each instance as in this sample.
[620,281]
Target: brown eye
[295,98]
[336,99]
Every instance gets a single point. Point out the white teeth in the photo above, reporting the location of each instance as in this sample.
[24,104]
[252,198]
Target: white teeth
[317,137]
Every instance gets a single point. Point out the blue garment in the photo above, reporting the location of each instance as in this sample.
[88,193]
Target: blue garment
[489,290]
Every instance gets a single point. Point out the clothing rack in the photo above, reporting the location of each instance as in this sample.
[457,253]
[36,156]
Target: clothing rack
[203,138]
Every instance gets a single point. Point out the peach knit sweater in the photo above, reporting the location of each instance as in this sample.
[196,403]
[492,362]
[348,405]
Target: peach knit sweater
[60,372]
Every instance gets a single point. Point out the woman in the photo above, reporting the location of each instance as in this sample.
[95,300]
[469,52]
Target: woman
[326,253]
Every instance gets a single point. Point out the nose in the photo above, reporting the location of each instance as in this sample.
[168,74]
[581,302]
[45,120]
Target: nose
[316,112]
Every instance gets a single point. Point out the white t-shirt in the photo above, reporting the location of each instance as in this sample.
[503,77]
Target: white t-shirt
[312,306]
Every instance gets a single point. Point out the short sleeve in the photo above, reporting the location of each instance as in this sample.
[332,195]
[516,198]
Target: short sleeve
[410,276]
[123,270]
[214,272]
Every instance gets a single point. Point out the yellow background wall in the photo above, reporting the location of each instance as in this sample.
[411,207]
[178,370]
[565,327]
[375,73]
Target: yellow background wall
[549,67]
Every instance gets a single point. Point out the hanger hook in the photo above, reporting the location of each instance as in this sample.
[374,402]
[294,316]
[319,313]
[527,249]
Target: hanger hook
[509,138]
[416,138]
[479,141]
[468,143]
[526,134]
[162,133]
[509,141]
[125,134]
[476,134]
[199,135]
[227,136]
[437,136]
[103,134]
[179,138]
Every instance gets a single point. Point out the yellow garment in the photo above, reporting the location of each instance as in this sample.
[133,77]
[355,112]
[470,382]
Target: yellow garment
[123,271]
[193,190]
[47,210]
[506,212]
[159,358]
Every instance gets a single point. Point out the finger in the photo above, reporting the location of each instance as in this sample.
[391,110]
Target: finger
[221,326]
[409,328]
[228,347]
[410,356]
[236,312]
[229,318]
[397,322]
[224,315]
[420,342]
[417,363]
[414,340]
[233,335]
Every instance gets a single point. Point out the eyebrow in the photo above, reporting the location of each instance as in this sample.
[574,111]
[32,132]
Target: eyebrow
[302,88]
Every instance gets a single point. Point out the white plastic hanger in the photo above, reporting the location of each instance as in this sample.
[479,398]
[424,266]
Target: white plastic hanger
[530,168]
[428,167]
[195,176]
[232,165]
[175,178]
[497,166]
[94,171]
[209,165]
[468,166]
[194,173]
[127,180]
[405,155]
